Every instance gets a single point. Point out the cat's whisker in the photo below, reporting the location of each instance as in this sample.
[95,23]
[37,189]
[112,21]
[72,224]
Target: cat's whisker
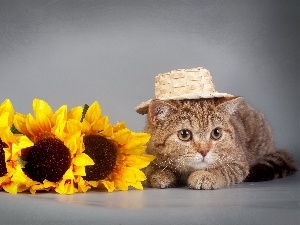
[230,157]
[230,167]
[164,168]
[180,163]
[167,162]
[218,161]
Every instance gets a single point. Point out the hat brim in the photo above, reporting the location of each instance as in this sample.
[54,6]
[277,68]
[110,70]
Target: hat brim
[143,107]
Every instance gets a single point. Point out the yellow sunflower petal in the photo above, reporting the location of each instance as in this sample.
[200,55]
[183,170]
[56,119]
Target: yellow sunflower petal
[133,151]
[73,126]
[121,185]
[29,183]
[11,188]
[39,105]
[137,139]
[4,119]
[61,189]
[68,175]
[119,126]
[86,127]
[32,126]
[83,159]
[139,161]
[122,136]
[23,142]
[129,175]
[7,153]
[108,131]
[138,175]
[79,171]
[93,113]
[100,124]
[109,185]
[66,187]
[7,136]
[10,168]
[60,115]
[73,142]
[82,185]
[36,187]
[22,187]
[93,183]
[75,113]
[3,179]
[43,122]
[20,123]
[7,106]
[48,184]
[59,130]
[137,185]
[19,176]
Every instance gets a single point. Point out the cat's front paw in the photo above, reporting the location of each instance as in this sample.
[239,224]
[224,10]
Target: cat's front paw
[162,179]
[203,180]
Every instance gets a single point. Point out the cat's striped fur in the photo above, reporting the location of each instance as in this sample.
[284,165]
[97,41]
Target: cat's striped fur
[211,143]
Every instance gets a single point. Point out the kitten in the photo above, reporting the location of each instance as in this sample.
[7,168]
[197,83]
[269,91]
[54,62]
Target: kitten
[211,143]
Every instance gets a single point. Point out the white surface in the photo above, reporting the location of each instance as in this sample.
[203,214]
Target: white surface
[274,202]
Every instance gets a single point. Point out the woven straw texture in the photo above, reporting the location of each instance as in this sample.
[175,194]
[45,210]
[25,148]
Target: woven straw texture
[182,84]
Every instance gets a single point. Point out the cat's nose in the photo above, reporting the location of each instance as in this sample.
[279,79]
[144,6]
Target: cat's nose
[203,152]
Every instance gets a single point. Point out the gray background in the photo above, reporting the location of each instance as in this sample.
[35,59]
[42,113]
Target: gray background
[76,52]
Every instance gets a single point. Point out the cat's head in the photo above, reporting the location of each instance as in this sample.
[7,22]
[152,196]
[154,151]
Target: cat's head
[191,134]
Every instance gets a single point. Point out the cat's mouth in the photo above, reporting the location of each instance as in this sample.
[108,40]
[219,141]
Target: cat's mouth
[196,161]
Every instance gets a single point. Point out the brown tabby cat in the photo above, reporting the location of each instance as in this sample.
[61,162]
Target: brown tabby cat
[211,143]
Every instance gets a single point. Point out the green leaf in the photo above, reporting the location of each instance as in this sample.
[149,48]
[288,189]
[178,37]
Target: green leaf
[22,162]
[14,130]
[85,109]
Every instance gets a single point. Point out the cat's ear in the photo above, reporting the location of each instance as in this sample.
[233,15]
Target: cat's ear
[229,106]
[159,111]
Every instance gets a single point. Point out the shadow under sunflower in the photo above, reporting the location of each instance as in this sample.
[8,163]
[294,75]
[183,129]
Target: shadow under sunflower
[56,159]
[118,153]
[12,177]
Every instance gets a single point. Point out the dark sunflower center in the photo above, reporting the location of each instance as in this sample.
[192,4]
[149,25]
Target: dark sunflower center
[48,159]
[3,169]
[104,154]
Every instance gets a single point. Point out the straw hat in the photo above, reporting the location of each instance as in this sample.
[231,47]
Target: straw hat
[182,84]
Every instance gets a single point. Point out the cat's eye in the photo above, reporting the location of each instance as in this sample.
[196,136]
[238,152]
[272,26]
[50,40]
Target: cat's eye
[185,135]
[216,133]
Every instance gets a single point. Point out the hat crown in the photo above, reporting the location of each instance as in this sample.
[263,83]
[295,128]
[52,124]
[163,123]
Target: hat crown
[178,83]
[182,84]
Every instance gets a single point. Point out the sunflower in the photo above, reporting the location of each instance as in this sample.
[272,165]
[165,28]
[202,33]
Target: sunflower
[12,177]
[118,153]
[56,158]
